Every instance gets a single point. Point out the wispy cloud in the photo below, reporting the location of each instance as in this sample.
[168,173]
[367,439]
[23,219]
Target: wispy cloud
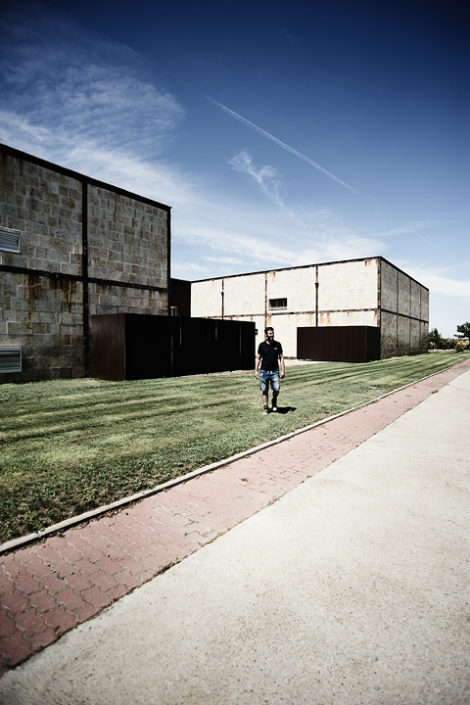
[156,179]
[237,243]
[266,177]
[188,270]
[88,105]
[96,111]
[440,285]
[407,228]
[415,228]
[224,260]
[281,144]
[90,102]
[92,106]
[264,239]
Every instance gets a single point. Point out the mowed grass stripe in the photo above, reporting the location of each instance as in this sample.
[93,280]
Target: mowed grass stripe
[68,446]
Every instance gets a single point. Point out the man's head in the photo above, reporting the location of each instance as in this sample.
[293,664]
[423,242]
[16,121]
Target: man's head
[269,333]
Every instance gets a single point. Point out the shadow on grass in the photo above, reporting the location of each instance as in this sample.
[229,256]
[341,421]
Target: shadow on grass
[285,409]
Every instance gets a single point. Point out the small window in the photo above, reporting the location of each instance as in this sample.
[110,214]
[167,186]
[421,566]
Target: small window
[9,240]
[174,310]
[10,360]
[278,304]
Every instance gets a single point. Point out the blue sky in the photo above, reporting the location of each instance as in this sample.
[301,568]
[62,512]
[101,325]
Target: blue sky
[281,133]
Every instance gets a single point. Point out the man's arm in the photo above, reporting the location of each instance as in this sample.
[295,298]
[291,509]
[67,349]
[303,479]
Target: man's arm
[283,368]
[257,363]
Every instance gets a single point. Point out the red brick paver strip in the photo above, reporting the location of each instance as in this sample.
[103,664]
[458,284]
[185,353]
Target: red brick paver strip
[52,585]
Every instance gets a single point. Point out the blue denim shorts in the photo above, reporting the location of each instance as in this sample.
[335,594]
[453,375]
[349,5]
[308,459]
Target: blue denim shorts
[267,377]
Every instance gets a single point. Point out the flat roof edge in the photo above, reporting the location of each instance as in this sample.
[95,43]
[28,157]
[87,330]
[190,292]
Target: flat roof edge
[306,266]
[80,177]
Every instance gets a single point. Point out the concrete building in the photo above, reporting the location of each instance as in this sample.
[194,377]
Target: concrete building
[71,247]
[371,292]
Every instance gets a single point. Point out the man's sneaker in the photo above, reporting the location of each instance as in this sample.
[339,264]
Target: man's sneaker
[274,408]
[265,411]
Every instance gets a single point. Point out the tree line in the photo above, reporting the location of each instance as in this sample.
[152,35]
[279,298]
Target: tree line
[460,343]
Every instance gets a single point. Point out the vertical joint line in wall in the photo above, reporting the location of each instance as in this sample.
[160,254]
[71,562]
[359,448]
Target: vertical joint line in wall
[86,307]
[409,326]
[379,303]
[265,299]
[168,261]
[222,296]
[379,293]
[398,303]
[316,296]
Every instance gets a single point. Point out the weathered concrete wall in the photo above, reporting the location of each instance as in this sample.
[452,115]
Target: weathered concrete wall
[128,243]
[348,318]
[120,299]
[243,296]
[206,299]
[388,288]
[347,294]
[48,290]
[404,313]
[127,239]
[45,206]
[424,306]
[44,318]
[295,285]
[366,292]
[285,330]
[388,334]
[348,286]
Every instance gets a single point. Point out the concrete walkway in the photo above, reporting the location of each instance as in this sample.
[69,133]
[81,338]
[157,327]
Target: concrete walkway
[352,588]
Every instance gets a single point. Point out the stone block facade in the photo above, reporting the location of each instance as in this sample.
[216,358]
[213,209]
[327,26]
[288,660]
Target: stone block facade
[127,239]
[404,312]
[83,248]
[361,292]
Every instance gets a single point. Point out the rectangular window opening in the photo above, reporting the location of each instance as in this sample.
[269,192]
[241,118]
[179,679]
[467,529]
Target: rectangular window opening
[278,304]
[9,240]
[10,360]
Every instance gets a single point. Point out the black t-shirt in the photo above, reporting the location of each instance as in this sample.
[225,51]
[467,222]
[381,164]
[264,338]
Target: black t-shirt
[270,355]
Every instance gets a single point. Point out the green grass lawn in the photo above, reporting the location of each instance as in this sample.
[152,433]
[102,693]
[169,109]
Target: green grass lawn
[68,446]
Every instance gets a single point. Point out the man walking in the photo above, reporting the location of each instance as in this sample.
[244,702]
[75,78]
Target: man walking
[267,368]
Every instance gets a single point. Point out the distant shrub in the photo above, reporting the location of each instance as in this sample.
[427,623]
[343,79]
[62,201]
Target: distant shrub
[460,346]
[437,342]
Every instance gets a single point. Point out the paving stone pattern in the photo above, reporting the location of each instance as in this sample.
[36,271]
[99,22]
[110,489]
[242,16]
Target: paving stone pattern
[49,587]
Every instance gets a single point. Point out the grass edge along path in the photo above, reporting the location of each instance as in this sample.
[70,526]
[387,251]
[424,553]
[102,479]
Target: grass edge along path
[125,501]
[335,383]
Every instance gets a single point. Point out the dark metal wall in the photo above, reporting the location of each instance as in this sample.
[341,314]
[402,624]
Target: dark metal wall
[134,346]
[180,297]
[339,343]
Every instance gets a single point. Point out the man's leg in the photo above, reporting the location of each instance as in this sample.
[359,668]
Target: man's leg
[275,386]
[263,383]
[265,402]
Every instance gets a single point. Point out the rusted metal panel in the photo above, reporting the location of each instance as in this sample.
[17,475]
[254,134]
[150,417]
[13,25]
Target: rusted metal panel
[108,348]
[136,346]
[339,343]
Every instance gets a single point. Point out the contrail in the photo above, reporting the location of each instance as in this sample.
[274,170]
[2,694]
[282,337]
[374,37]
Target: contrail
[285,146]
